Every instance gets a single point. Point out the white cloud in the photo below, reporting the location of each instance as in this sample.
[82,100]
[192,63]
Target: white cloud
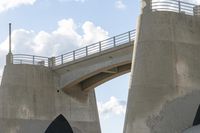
[113,106]
[10,4]
[119,4]
[63,39]
[92,33]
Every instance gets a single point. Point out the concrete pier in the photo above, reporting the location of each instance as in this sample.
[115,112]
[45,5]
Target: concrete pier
[29,102]
[164,92]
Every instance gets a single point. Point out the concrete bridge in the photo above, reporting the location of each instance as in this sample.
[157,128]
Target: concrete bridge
[63,84]
[87,67]
[164,91]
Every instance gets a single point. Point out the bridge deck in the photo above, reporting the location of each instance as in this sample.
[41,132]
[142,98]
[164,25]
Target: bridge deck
[99,47]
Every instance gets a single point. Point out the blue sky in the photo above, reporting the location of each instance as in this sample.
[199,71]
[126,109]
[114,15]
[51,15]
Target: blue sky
[64,25]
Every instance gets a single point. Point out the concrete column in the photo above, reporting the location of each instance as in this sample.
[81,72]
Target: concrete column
[164,92]
[145,6]
[9,58]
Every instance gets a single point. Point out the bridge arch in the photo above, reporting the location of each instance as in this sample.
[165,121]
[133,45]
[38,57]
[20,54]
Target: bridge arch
[89,72]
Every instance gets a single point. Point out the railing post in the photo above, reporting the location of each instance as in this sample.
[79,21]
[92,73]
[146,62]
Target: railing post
[179,6]
[33,59]
[62,59]
[51,62]
[74,55]
[114,41]
[86,50]
[99,46]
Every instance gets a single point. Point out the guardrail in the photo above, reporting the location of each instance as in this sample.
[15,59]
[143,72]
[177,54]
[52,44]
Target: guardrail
[30,59]
[96,48]
[156,5]
[109,43]
[174,6]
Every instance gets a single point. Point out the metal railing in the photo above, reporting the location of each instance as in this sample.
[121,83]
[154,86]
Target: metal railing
[30,59]
[156,5]
[173,6]
[109,43]
[96,48]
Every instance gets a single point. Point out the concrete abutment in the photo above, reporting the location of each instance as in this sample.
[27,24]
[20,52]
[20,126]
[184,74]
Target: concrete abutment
[29,102]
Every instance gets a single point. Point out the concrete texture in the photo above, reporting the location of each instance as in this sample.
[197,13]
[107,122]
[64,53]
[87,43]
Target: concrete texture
[164,92]
[29,102]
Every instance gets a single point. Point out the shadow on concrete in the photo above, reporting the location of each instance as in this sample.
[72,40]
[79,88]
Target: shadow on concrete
[59,125]
[197,117]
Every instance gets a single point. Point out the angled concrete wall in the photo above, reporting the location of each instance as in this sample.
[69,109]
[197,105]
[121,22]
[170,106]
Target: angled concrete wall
[165,87]
[29,101]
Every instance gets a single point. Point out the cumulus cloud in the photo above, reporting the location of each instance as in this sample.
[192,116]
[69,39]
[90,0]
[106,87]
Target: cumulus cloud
[113,106]
[10,4]
[63,39]
[119,4]
[90,30]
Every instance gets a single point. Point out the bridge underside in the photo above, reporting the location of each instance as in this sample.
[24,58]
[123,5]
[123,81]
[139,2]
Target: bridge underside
[102,77]
[86,74]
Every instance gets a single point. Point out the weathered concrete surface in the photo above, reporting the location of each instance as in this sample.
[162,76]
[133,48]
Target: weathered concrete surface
[165,90]
[29,101]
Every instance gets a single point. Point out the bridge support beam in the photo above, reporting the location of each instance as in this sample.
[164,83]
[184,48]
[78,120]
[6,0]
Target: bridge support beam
[165,88]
